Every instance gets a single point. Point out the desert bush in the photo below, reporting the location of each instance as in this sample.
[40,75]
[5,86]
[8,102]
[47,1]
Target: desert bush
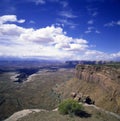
[70,107]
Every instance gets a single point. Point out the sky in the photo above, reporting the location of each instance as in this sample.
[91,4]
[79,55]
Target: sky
[60,29]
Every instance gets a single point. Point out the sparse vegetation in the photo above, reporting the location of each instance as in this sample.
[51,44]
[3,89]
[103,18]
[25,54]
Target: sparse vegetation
[70,107]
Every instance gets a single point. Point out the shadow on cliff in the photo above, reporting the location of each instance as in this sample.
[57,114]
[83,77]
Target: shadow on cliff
[83,114]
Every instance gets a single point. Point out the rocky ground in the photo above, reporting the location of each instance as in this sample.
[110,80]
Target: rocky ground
[91,113]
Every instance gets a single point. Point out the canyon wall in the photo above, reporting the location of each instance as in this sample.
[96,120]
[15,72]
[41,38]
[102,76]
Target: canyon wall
[100,82]
[104,82]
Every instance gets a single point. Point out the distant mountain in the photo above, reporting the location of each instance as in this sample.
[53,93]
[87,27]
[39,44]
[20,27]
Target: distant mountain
[16,62]
[9,58]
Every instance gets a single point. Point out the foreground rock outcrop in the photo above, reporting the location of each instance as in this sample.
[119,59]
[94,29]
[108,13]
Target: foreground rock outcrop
[23,113]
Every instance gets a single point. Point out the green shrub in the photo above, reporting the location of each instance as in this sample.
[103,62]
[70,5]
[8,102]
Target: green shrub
[70,107]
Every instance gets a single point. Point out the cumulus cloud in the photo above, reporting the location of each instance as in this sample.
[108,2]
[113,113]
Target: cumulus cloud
[70,44]
[10,18]
[98,55]
[48,42]
[11,30]
[116,56]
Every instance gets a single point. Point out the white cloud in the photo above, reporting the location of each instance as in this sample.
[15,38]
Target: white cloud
[92,29]
[37,2]
[81,41]
[10,18]
[89,30]
[67,14]
[32,22]
[48,42]
[112,23]
[64,3]
[11,30]
[61,2]
[62,45]
[69,23]
[71,44]
[93,52]
[94,13]
[59,25]
[96,55]
[40,2]
[45,36]
[116,55]
[118,22]
[98,32]
[90,22]
[78,47]
[21,21]
[72,27]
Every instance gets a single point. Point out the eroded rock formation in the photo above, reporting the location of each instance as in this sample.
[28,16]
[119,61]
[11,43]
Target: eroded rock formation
[102,83]
[97,73]
[82,98]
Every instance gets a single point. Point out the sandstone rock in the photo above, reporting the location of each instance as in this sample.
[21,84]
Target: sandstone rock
[101,83]
[73,95]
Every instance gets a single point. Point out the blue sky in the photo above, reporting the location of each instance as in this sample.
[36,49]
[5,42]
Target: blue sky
[60,29]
